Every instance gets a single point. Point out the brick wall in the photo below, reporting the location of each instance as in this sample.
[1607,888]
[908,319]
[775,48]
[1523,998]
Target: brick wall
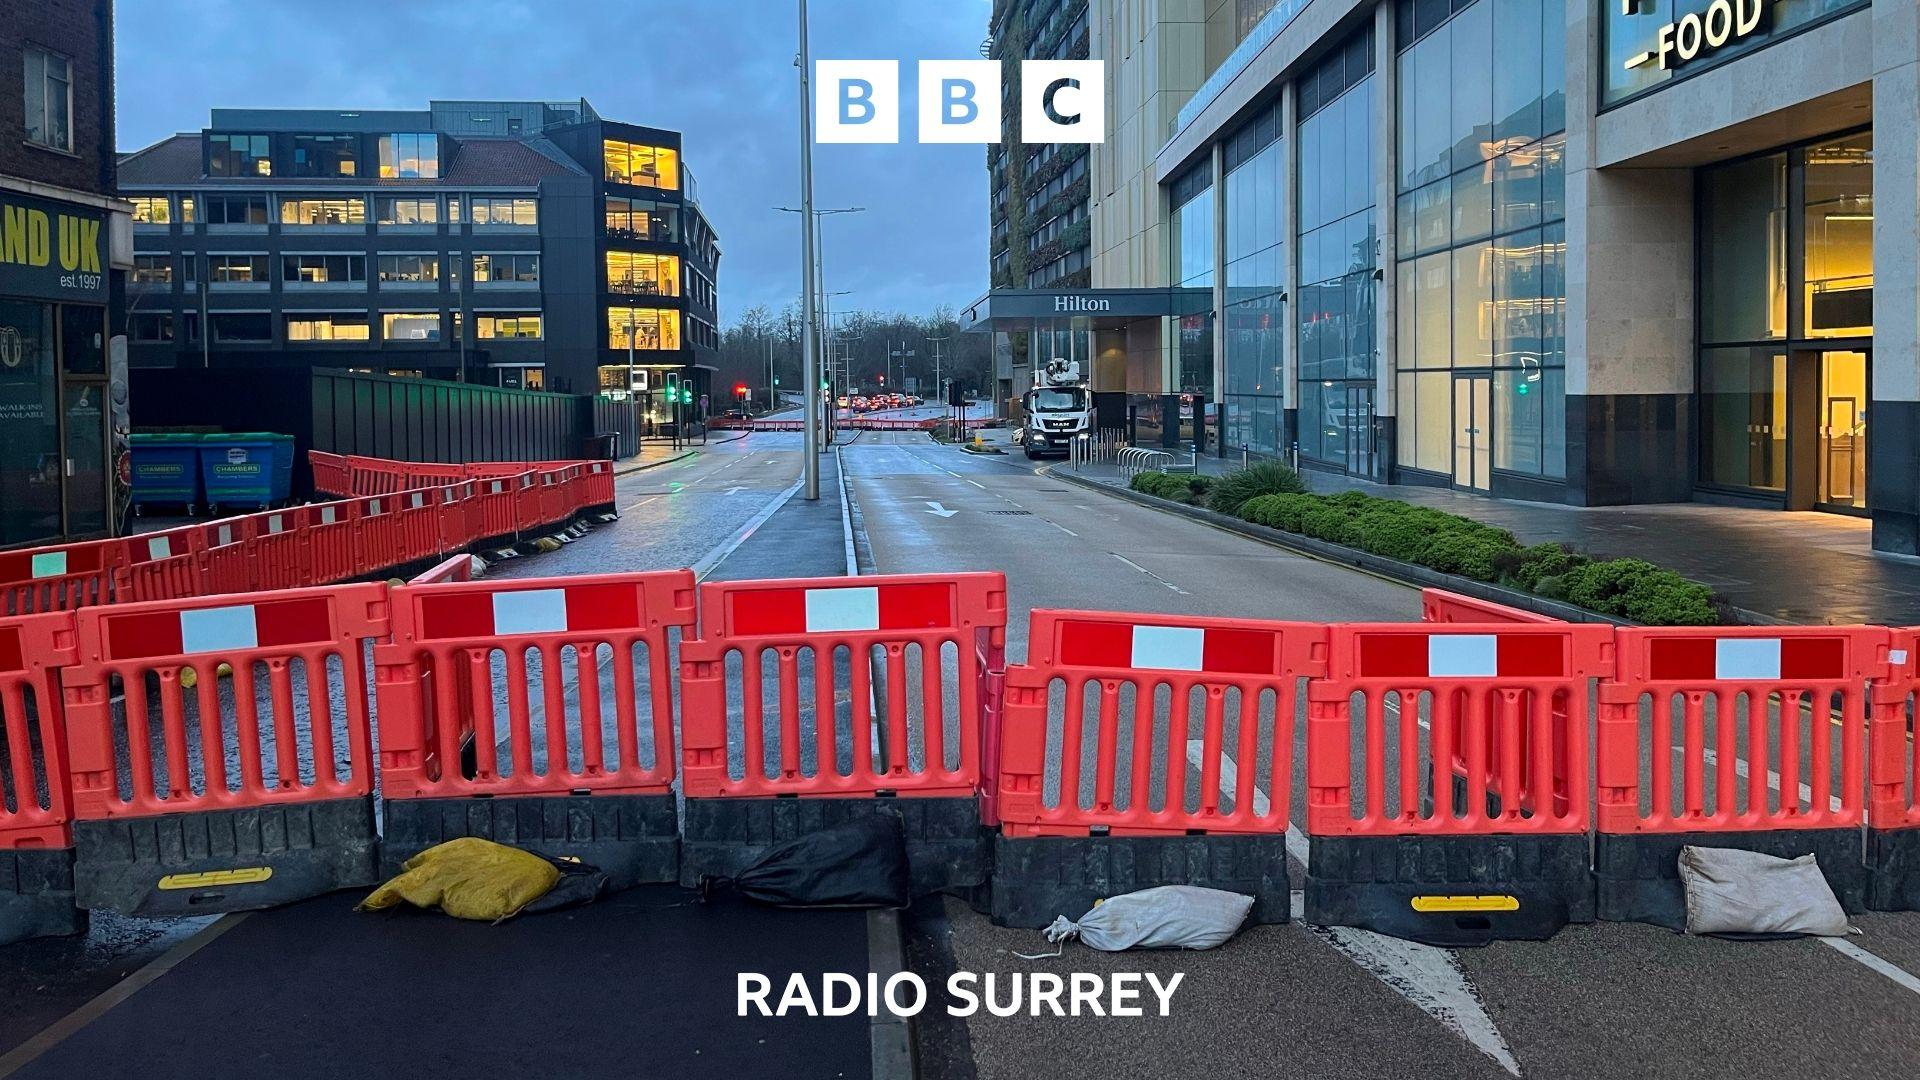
[82,31]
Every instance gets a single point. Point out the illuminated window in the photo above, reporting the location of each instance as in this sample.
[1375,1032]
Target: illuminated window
[639,219]
[312,326]
[500,211]
[519,324]
[635,273]
[239,155]
[506,267]
[391,211]
[410,156]
[151,209]
[410,325]
[642,166]
[409,269]
[323,269]
[649,329]
[186,209]
[323,211]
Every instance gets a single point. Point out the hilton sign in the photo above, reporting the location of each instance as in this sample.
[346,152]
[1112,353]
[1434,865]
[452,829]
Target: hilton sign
[1697,33]
[1081,304]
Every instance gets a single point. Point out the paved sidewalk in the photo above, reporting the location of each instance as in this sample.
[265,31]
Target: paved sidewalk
[1799,567]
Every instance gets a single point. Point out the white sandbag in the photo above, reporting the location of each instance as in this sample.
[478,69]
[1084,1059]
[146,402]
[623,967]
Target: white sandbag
[1167,917]
[1730,891]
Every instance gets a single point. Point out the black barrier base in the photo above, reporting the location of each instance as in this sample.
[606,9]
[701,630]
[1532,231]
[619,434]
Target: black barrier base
[1638,875]
[1036,878]
[36,895]
[223,860]
[946,847]
[1375,882]
[1893,869]
[632,838]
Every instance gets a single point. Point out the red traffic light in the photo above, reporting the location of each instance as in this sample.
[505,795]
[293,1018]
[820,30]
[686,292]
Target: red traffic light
[740,389]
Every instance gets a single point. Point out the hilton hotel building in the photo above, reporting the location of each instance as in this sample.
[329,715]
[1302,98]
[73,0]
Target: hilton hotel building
[1583,251]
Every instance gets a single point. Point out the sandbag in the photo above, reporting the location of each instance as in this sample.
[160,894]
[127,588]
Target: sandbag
[861,864]
[1731,891]
[1166,917]
[468,878]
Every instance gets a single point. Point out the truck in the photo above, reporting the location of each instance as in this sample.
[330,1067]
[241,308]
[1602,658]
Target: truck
[1058,409]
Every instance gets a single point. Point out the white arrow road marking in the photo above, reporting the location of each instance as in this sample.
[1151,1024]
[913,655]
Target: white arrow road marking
[936,508]
[1428,977]
[735,490]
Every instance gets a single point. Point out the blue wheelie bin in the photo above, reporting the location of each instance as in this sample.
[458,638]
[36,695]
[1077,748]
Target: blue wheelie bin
[247,469]
[166,471]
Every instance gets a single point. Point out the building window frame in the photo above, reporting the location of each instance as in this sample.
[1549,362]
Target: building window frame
[54,94]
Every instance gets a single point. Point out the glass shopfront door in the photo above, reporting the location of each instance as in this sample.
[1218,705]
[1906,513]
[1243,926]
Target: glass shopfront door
[1473,432]
[1843,430]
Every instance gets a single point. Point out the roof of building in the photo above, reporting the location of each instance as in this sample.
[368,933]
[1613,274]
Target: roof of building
[507,163]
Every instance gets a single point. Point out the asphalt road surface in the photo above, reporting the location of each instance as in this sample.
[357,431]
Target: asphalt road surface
[1606,1000]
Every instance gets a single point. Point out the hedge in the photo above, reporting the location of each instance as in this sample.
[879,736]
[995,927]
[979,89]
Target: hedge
[1624,588]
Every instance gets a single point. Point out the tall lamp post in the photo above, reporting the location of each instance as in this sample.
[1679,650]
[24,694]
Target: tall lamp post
[816,280]
[809,360]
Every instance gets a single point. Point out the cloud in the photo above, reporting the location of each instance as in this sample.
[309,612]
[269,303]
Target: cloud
[720,71]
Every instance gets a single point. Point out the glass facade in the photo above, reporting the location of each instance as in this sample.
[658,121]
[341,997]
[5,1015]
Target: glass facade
[1786,323]
[1334,257]
[1191,336]
[640,165]
[1480,286]
[1256,257]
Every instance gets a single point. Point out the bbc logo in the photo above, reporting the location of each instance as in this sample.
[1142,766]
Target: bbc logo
[858,101]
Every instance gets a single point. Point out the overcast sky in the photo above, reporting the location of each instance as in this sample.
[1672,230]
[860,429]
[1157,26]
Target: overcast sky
[721,71]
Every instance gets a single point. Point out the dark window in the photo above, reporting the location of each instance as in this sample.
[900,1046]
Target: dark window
[239,155]
[241,326]
[326,155]
[236,209]
[323,269]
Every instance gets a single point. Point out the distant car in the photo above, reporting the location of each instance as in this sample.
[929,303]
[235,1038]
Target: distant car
[843,401]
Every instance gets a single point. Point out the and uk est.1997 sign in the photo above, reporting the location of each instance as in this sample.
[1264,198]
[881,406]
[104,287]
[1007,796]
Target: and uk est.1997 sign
[52,250]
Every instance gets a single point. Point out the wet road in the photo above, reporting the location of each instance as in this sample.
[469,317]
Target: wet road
[1606,1000]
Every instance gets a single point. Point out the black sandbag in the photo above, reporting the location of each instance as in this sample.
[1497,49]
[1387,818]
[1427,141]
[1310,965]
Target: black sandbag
[861,864]
[580,884]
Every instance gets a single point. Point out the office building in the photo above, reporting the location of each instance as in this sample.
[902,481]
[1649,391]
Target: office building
[1583,251]
[525,244]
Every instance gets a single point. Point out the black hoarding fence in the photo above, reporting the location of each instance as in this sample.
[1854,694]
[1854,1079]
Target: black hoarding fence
[405,419]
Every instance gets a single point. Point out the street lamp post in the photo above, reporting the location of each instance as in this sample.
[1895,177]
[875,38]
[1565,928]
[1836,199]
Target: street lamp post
[809,361]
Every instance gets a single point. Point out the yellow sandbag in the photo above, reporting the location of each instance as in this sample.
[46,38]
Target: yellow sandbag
[468,878]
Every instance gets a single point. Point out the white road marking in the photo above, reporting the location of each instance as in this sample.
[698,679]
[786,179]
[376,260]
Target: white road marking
[735,490]
[1061,527]
[1150,573]
[981,486]
[936,508]
[718,555]
[1872,962]
[1430,978]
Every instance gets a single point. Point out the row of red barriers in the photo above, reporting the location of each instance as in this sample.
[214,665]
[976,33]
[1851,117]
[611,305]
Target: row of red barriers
[397,522]
[850,423]
[1455,771]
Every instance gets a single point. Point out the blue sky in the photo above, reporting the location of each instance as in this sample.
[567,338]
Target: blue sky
[719,70]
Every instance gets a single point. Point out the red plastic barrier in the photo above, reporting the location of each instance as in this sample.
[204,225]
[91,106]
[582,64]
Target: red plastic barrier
[282,551]
[417,524]
[1799,688]
[161,565]
[304,644]
[556,496]
[331,474]
[33,650]
[493,511]
[1441,606]
[456,510]
[741,622]
[329,532]
[1520,689]
[596,483]
[378,543]
[59,578]
[1893,769]
[570,647]
[458,568]
[226,556]
[1104,656]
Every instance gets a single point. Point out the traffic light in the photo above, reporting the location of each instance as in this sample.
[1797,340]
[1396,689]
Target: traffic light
[740,390]
[686,393]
